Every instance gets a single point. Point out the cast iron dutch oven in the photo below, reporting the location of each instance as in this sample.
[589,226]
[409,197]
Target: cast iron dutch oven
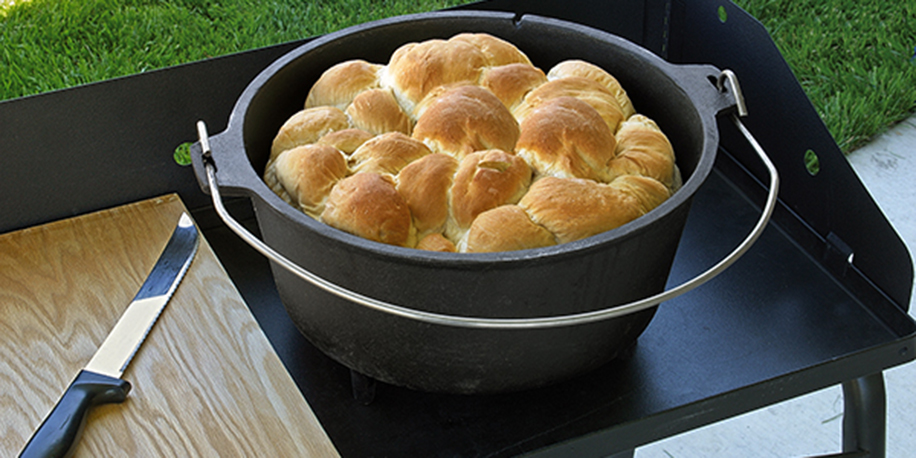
[597,273]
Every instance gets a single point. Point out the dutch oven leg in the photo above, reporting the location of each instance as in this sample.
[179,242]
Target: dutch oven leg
[363,387]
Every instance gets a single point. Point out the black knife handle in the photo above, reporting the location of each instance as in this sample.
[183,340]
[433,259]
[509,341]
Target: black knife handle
[62,427]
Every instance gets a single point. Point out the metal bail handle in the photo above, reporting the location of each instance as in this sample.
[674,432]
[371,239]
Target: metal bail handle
[508,323]
[728,76]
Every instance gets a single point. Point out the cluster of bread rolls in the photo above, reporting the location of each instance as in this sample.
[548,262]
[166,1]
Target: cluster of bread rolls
[463,145]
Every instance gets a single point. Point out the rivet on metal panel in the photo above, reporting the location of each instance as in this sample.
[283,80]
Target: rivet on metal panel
[838,255]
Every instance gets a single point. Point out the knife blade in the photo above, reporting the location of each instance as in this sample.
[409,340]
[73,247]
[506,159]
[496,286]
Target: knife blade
[99,382]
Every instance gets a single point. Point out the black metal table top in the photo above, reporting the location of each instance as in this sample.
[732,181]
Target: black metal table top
[773,326]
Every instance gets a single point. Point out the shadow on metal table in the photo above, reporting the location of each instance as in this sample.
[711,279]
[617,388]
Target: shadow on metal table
[820,300]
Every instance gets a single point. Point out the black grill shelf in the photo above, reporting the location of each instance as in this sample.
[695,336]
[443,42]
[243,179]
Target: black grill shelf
[790,317]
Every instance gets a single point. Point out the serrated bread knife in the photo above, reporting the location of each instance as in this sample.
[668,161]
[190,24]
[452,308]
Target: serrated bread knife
[100,381]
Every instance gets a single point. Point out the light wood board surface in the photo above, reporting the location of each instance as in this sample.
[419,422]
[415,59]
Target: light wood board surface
[205,383]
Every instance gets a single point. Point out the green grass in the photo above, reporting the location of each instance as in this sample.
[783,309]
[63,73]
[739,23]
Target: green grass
[52,44]
[853,59]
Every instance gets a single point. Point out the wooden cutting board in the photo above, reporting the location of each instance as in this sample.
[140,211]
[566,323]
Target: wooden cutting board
[205,383]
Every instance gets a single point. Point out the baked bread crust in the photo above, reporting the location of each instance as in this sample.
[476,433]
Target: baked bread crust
[466,119]
[573,208]
[307,173]
[581,68]
[306,127]
[511,83]
[462,145]
[642,149]
[387,153]
[368,205]
[496,51]
[436,242]
[566,137]
[597,96]
[416,69]
[506,228]
[425,185]
[376,111]
[486,180]
[347,140]
[338,86]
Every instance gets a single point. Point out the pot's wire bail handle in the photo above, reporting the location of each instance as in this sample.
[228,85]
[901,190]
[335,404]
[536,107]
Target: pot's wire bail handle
[728,76]
[205,152]
[726,82]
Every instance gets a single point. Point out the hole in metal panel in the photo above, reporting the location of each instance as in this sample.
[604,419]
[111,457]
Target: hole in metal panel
[812,163]
[182,154]
[723,14]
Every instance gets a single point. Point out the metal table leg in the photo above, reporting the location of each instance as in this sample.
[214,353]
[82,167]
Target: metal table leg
[865,416]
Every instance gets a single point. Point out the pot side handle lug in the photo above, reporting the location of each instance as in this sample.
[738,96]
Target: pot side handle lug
[236,177]
[713,90]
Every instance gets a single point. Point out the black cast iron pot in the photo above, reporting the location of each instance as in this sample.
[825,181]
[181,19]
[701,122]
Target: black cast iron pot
[616,267]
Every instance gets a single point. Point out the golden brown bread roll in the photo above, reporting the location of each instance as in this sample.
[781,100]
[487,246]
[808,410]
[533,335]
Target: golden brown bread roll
[511,83]
[506,228]
[485,180]
[436,242]
[346,140]
[368,205]
[307,174]
[595,73]
[642,149]
[582,89]
[466,119]
[647,192]
[376,111]
[417,68]
[340,84]
[496,51]
[573,208]
[565,137]
[425,185]
[306,127]
[387,153]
